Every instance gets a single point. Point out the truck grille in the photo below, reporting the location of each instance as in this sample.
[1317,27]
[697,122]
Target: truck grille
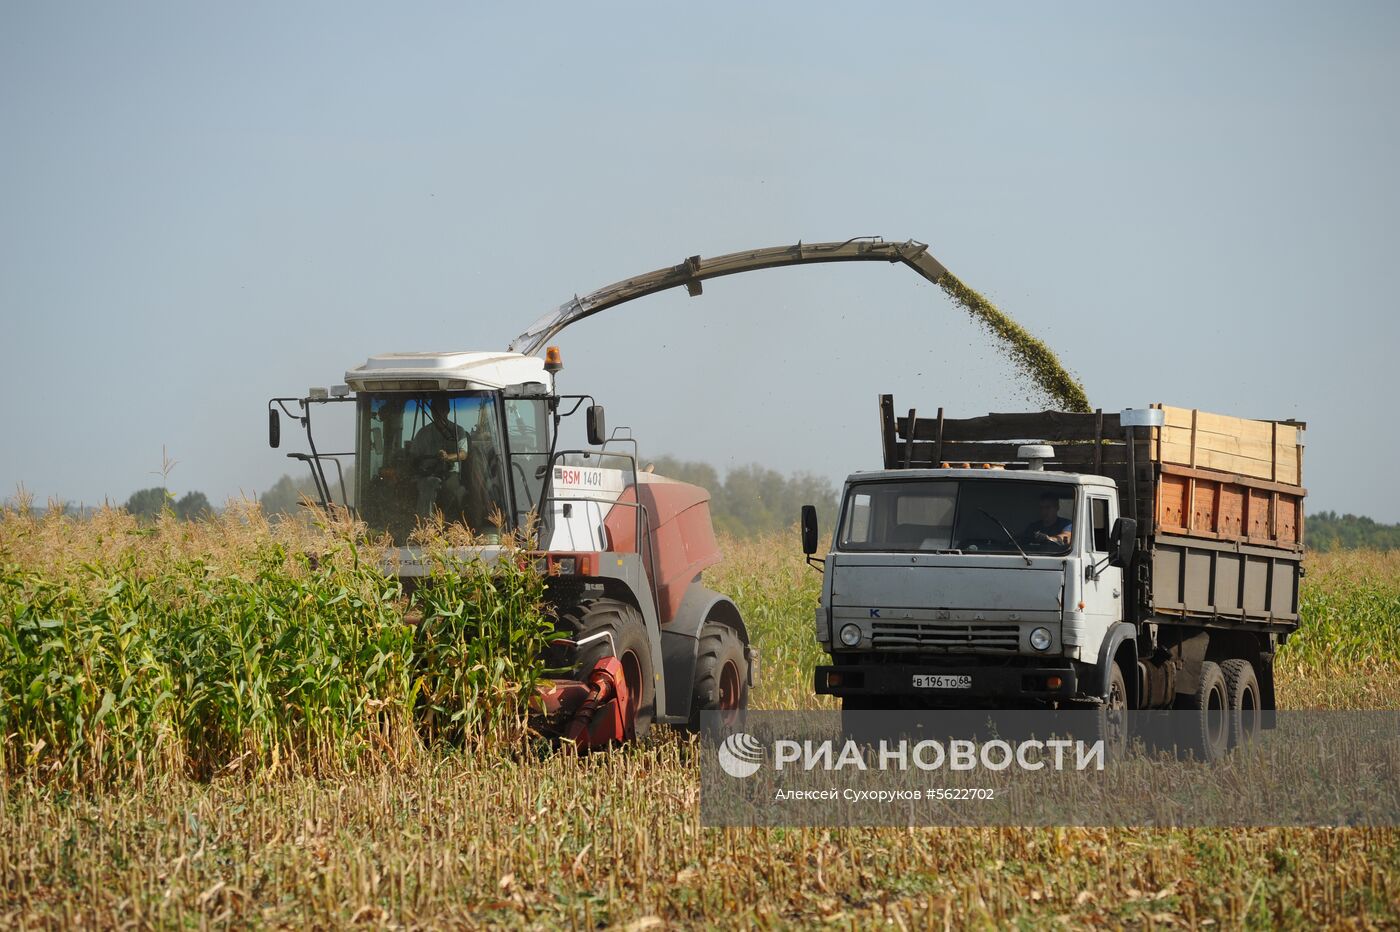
[952,636]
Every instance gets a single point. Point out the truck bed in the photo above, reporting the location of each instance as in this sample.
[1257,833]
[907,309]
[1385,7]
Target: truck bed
[1218,499]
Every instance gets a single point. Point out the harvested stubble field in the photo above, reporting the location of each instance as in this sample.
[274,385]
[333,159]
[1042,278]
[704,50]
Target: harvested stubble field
[203,728]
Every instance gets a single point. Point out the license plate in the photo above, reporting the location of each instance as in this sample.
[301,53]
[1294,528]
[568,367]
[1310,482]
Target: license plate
[931,681]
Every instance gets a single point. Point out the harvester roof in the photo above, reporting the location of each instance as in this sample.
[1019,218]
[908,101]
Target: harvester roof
[429,371]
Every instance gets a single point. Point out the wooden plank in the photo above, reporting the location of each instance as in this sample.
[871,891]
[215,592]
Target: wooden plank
[1250,481]
[938,440]
[1287,473]
[1249,428]
[1204,503]
[1044,425]
[1172,502]
[888,434]
[1273,455]
[1287,523]
[1224,443]
[909,429]
[1098,438]
[1157,438]
[1230,515]
[1258,502]
[1096,456]
[1194,414]
[1218,438]
[1191,484]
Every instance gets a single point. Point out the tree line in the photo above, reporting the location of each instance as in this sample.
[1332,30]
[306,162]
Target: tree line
[744,501]
[1328,530]
[753,499]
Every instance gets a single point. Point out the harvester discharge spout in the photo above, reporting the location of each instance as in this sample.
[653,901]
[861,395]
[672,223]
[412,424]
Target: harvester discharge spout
[695,270]
[1028,353]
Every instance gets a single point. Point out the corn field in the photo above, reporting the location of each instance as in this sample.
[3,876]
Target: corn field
[235,723]
[145,654]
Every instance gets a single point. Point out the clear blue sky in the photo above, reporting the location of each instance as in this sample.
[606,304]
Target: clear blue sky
[205,205]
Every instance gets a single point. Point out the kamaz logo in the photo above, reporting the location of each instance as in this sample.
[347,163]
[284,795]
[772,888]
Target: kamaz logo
[874,613]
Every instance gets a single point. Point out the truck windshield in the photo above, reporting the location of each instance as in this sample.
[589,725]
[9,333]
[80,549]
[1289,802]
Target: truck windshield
[969,515]
[425,454]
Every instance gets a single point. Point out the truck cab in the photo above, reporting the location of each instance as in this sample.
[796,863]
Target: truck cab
[983,585]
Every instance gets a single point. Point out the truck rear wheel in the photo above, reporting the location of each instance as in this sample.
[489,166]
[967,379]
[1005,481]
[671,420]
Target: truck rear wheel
[1242,694]
[1206,733]
[721,675]
[606,626]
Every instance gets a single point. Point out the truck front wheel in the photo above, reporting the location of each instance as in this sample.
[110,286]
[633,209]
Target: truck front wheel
[1112,717]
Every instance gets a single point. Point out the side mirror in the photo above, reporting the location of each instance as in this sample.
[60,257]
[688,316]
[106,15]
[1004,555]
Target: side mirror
[809,529]
[274,429]
[597,426]
[1122,542]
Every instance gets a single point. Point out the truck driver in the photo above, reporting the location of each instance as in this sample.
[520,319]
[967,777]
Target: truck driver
[1049,529]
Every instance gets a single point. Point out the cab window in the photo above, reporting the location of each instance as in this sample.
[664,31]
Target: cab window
[1098,519]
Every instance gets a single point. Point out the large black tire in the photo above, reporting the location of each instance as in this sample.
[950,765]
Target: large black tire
[721,676]
[1243,700]
[1111,718]
[1206,733]
[626,632]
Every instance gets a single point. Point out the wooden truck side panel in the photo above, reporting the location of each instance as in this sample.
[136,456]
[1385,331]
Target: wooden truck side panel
[1218,499]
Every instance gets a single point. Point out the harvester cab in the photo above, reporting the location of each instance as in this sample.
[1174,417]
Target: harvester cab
[470,442]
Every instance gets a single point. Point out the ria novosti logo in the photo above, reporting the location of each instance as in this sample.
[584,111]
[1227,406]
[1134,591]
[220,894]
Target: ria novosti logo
[740,755]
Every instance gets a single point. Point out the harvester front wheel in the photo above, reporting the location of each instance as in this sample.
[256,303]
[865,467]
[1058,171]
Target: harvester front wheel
[721,675]
[608,627]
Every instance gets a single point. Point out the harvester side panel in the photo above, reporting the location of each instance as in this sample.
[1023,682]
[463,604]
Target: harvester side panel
[680,537]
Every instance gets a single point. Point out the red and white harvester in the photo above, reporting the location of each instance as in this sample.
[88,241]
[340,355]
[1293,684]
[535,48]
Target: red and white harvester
[471,436]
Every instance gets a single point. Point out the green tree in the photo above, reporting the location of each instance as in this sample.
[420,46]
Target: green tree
[192,506]
[286,494]
[147,504]
[753,499]
[282,498]
[1328,530]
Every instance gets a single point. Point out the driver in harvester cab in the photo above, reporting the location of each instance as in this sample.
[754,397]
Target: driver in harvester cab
[435,448]
[1050,529]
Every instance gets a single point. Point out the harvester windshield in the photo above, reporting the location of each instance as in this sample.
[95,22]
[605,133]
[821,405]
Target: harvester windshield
[429,453]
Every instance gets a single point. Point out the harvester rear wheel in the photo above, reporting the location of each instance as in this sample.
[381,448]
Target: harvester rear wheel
[721,675]
[624,632]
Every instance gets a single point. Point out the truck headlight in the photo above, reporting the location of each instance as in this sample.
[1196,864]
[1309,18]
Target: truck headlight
[1040,638]
[850,635]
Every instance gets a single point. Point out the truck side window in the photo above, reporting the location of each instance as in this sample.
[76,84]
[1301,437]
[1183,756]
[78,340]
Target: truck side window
[1098,513]
[859,530]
